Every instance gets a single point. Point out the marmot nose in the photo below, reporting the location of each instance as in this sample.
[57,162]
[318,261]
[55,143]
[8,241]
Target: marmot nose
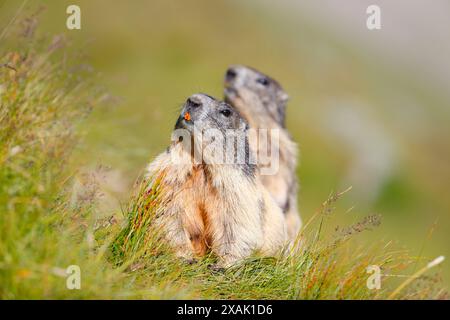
[231,74]
[193,102]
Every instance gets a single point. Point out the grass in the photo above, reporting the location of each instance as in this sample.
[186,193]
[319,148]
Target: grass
[49,222]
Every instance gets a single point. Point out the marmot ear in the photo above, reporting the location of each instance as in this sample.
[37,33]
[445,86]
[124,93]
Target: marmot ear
[244,126]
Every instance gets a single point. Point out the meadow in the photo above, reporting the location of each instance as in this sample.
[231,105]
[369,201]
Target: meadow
[82,113]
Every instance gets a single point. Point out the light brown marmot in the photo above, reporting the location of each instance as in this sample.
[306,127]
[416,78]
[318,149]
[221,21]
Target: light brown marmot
[211,206]
[262,102]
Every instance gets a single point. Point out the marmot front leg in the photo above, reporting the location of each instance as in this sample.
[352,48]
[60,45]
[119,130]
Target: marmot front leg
[184,227]
[235,235]
[175,233]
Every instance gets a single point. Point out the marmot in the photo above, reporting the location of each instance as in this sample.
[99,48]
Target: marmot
[262,102]
[211,206]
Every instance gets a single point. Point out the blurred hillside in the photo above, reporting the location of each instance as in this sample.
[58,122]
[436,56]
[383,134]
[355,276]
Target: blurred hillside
[363,116]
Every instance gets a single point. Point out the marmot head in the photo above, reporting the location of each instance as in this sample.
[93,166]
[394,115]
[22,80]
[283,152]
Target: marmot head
[216,130]
[258,97]
[205,112]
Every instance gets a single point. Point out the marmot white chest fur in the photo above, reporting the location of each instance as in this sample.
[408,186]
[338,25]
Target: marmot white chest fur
[211,205]
[262,102]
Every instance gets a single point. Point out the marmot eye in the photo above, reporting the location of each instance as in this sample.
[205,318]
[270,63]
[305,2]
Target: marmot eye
[226,112]
[264,81]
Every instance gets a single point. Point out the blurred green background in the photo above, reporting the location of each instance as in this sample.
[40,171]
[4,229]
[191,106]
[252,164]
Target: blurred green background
[369,109]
